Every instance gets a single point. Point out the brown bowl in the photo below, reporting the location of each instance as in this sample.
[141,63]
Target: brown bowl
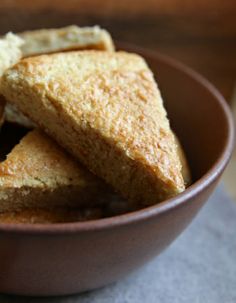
[73,257]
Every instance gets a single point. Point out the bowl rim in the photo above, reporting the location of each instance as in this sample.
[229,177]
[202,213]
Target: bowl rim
[164,206]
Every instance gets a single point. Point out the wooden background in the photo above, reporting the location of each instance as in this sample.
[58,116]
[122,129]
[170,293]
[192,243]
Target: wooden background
[201,33]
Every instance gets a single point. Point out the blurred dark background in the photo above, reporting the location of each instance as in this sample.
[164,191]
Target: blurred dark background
[199,33]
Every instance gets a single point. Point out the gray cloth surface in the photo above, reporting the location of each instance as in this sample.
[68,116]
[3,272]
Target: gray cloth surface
[199,267]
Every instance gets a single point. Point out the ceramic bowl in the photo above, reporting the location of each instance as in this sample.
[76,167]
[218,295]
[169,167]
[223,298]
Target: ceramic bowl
[68,258]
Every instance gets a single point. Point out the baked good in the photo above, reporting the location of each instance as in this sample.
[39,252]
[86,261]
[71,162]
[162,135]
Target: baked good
[66,38]
[24,213]
[63,214]
[10,51]
[57,40]
[37,173]
[106,110]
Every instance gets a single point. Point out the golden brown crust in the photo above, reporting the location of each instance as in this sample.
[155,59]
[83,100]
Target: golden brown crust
[105,108]
[38,173]
[44,41]
[64,39]
[37,156]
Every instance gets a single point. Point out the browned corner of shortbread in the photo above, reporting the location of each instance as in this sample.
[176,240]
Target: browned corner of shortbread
[39,173]
[106,110]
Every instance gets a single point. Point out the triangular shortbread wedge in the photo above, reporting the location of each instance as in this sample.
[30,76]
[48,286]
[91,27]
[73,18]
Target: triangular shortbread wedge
[66,38]
[37,173]
[42,41]
[105,109]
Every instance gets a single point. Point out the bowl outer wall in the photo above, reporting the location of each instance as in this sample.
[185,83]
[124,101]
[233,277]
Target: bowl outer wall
[69,258]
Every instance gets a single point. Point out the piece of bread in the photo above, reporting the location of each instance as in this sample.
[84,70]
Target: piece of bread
[10,51]
[22,212]
[37,173]
[63,214]
[65,39]
[58,40]
[15,116]
[105,109]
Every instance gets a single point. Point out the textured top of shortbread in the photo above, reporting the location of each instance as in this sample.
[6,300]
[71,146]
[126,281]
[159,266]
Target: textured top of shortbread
[56,40]
[64,39]
[113,94]
[10,52]
[39,161]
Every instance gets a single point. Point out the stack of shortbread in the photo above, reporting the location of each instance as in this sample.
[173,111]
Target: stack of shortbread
[99,141]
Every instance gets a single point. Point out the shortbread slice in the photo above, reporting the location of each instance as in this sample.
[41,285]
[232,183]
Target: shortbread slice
[106,110]
[37,173]
[64,39]
[37,42]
